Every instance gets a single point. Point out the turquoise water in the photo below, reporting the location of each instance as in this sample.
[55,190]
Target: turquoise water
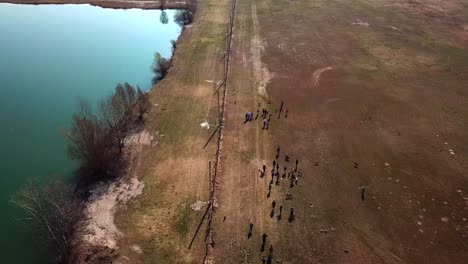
[50,57]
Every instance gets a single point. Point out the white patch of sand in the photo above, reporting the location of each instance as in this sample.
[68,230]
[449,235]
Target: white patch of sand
[100,229]
[142,138]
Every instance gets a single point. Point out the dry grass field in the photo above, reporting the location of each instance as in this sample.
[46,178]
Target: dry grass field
[377,94]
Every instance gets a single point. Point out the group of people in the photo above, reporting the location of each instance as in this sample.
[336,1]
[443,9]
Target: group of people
[266,115]
[248,117]
[292,213]
[293,174]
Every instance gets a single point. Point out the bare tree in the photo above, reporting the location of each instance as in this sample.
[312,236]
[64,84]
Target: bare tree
[97,140]
[90,140]
[143,104]
[117,112]
[173,46]
[160,67]
[52,212]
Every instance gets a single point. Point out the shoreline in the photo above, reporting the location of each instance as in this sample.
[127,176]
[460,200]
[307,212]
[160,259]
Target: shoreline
[114,4]
[96,236]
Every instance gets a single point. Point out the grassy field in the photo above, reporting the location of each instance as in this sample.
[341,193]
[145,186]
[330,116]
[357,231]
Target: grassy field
[175,170]
[377,97]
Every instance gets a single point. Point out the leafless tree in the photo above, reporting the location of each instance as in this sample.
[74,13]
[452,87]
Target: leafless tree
[90,141]
[52,212]
[97,140]
[117,112]
[160,67]
[143,104]
[173,46]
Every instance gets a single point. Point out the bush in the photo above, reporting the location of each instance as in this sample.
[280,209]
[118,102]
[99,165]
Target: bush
[160,67]
[97,140]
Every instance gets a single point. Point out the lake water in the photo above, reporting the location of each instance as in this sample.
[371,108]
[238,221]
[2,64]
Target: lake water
[50,57]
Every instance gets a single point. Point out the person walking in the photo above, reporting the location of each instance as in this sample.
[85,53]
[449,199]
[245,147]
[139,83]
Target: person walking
[292,214]
[273,204]
[264,238]
[264,170]
[271,250]
[281,107]
[256,116]
[281,209]
[264,124]
[264,260]
[277,151]
[269,117]
[285,167]
[363,193]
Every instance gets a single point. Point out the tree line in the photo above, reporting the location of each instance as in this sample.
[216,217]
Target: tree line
[182,17]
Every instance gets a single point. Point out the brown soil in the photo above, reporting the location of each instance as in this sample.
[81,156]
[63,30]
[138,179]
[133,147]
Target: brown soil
[388,117]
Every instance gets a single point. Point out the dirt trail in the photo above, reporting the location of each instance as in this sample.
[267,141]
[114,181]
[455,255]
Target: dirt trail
[243,195]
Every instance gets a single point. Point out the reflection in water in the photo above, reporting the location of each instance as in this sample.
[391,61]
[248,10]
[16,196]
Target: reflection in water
[163,17]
